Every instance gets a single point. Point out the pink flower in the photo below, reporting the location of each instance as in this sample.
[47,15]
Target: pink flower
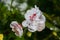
[17,28]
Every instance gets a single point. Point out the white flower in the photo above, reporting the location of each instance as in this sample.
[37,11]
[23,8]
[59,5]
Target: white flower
[8,4]
[16,28]
[35,20]
[23,6]
[7,1]
[33,13]
[14,3]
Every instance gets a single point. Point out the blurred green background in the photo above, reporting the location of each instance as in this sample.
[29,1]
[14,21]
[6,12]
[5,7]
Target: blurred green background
[13,10]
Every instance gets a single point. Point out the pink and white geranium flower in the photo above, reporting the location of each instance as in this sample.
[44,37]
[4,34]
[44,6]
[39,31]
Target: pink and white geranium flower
[35,20]
[17,28]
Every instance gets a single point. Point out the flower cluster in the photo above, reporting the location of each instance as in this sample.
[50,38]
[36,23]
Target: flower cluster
[34,21]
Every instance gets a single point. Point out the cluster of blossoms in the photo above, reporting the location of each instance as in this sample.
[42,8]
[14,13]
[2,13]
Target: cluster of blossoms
[34,21]
[21,6]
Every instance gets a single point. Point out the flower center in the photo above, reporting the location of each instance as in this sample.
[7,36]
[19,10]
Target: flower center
[33,16]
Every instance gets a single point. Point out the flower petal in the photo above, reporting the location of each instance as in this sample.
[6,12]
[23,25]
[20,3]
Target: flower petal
[32,28]
[40,27]
[16,28]
[24,23]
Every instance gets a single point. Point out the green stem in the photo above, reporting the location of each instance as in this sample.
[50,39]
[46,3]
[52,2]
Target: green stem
[35,38]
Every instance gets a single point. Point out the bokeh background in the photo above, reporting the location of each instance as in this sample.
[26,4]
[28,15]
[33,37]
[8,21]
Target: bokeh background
[14,10]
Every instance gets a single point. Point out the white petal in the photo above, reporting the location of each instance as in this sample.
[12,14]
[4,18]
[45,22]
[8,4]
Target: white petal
[11,26]
[20,32]
[13,23]
[32,28]
[16,34]
[28,14]
[44,18]
[38,11]
[40,24]
[13,30]
[25,23]
[40,27]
